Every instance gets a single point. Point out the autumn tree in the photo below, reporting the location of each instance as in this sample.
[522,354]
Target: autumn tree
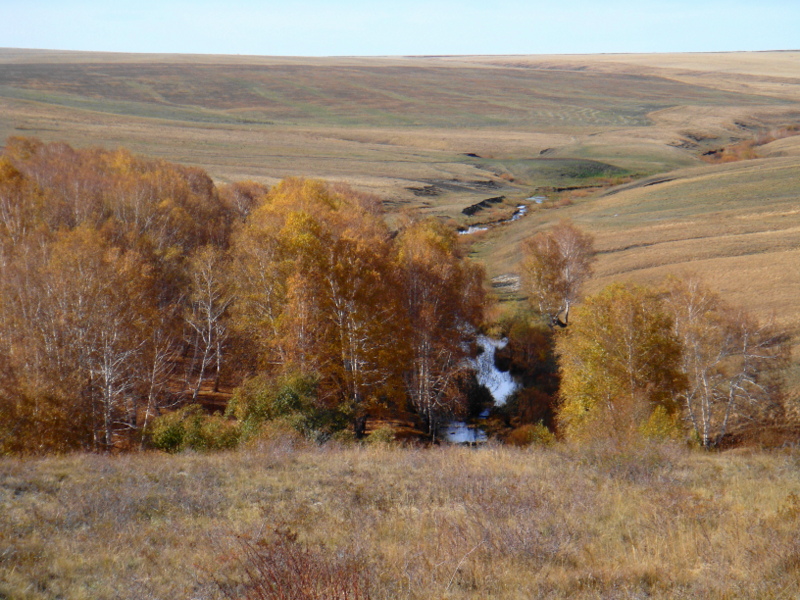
[259,275]
[443,300]
[529,355]
[81,329]
[116,270]
[555,265]
[206,314]
[730,361]
[322,299]
[166,208]
[620,366]
[242,197]
[21,204]
[92,276]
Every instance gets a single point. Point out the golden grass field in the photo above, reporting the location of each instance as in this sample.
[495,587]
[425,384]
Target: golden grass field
[449,523]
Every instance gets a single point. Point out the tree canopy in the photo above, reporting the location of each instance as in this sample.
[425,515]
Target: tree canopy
[620,366]
[129,285]
[555,264]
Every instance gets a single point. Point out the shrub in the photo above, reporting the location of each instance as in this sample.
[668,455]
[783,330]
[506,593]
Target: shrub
[291,398]
[385,436]
[661,425]
[344,436]
[191,428]
[282,568]
[526,435]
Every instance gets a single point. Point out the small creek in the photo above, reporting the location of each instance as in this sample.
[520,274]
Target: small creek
[520,212]
[499,383]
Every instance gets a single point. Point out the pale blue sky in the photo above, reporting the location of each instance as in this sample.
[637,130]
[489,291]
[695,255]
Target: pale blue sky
[357,27]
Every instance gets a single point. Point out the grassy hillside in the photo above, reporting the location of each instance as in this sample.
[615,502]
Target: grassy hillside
[737,225]
[450,523]
[385,123]
[442,133]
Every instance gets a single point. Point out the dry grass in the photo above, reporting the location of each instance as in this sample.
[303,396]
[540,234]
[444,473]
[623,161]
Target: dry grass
[736,225]
[438,523]
[387,124]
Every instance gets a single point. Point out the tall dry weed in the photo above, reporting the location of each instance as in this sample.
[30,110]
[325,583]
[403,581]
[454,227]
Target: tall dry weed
[280,567]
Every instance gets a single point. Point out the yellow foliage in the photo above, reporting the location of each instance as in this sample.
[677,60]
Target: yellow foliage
[619,365]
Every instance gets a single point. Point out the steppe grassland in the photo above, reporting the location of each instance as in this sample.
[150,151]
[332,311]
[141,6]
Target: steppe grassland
[391,124]
[769,72]
[386,124]
[735,225]
[439,523]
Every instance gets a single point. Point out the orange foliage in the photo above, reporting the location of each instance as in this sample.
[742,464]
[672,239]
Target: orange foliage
[115,269]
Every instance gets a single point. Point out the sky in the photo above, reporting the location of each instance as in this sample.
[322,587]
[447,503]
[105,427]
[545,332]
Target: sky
[412,27]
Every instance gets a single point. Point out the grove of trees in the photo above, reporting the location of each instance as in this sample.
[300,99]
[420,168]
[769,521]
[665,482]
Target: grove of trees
[130,285]
[670,361]
[130,288]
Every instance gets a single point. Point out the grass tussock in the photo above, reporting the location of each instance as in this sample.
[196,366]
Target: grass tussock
[381,522]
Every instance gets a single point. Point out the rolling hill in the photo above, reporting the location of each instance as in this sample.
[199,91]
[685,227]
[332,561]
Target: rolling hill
[620,136]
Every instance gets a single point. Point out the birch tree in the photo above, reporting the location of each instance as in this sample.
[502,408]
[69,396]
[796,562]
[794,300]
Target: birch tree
[620,367]
[443,300]
[206,314]
[323,299]
[555,265]
[731,362]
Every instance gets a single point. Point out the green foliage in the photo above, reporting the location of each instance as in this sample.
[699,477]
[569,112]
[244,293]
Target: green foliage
[190,428]
[662,425]
[291,398]
[385,436]
[251,402]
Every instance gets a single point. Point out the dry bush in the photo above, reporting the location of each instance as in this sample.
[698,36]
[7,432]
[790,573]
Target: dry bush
[283,568]
[528,434]
[745,150]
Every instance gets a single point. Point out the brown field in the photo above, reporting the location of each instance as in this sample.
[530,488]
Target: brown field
[431,524]
[392,123]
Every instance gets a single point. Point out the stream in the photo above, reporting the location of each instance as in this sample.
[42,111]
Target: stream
[499,383]
[520,212]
